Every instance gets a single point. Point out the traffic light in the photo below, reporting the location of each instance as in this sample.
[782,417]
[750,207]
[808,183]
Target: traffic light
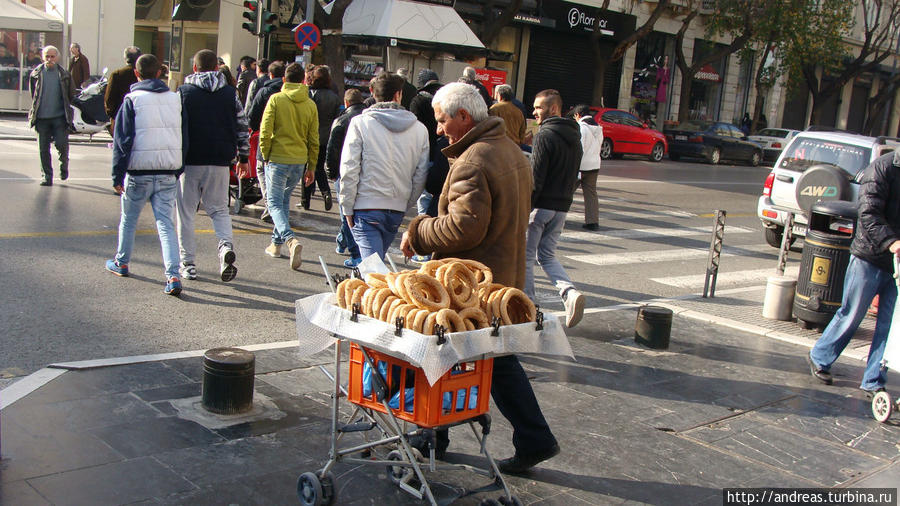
[252,14]
[267,25]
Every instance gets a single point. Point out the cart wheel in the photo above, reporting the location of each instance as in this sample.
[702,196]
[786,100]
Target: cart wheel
[397,473]
[309,490]
[512,501]
[882,406]
[329,491]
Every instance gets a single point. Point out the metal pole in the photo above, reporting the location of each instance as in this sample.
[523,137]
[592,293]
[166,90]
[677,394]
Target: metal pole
[786,238]
[310,12]
[715,252]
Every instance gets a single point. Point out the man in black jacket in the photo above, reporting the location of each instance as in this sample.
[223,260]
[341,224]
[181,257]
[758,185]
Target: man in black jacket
[353,106]
[555,160]
[119,84]
[876,242]
[246,76]
[254,117]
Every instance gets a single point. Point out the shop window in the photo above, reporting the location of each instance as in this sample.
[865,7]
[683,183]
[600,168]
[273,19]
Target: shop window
[651,81]
[19,49]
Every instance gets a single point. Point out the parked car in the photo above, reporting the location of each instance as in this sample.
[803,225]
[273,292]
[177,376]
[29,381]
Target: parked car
[625,134]
[773,140]
[816,166]
[713,141]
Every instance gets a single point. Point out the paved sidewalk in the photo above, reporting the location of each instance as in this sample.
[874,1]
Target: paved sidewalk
[723,407]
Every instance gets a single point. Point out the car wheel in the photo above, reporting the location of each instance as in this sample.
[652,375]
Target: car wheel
[657,153]
[674,157]
[715,157]
[754,159]
[606,149]
[774,237]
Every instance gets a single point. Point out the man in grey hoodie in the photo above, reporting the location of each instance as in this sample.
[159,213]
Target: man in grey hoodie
[384,165]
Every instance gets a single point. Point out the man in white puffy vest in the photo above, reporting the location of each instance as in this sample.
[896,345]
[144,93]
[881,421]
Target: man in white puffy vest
[147,160]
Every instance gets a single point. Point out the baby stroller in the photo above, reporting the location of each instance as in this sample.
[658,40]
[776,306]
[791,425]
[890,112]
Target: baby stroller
[245,191]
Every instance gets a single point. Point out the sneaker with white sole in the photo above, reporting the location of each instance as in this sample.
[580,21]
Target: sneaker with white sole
[574,303]
[188,271]
[294,247]
[226,266]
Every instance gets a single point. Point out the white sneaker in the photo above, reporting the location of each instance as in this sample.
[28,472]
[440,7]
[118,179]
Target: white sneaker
[574,303]
[188,271]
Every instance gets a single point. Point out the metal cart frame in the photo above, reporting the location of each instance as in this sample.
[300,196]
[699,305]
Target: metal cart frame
[404,463]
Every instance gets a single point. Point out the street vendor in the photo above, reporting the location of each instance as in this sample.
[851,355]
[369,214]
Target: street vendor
[483,215]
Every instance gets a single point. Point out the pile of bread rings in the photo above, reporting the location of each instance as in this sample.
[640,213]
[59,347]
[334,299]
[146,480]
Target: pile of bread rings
[459,295]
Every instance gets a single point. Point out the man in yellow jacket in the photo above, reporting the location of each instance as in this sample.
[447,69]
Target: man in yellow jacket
[288,140]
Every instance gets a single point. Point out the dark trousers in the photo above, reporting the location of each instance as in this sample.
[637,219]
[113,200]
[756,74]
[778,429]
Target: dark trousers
[514,397]
[321,178]
[56,130]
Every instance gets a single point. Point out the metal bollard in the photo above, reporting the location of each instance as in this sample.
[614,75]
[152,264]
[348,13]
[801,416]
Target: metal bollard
[653,327]
[715,252]
[228,380]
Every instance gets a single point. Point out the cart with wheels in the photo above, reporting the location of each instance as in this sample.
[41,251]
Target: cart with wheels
[882,402]
[402,387]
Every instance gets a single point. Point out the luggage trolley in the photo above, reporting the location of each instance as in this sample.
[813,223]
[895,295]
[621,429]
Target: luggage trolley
[882,403]
[394,399]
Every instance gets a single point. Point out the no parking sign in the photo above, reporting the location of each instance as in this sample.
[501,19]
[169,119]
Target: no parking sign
[307,36]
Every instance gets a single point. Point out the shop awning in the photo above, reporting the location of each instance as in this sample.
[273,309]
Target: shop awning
[406,20]
[18,16]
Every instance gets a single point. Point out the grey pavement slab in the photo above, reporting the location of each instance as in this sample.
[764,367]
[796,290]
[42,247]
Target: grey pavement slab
[720,408]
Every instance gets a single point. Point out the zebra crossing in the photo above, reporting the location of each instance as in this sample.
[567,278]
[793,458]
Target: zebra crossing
[740,263]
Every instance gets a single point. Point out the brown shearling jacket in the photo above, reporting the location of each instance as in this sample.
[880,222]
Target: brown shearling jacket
[484,205]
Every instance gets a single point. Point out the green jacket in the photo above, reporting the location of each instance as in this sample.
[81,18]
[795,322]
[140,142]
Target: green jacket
[289,131]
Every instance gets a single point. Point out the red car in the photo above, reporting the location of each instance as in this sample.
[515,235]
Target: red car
[625,134]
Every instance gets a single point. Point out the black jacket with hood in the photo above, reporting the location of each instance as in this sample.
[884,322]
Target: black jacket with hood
[555,160]
[336,140]
[878,224]
[259,101]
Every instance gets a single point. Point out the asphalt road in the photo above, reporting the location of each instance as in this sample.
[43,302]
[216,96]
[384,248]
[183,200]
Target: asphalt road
[59,304]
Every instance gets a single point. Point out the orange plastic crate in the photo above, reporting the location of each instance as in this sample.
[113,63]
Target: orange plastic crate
[451,399]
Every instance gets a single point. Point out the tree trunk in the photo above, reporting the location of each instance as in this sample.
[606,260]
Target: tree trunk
[601,61]
[687,82]
[761,87]
[876,105]
[333,50]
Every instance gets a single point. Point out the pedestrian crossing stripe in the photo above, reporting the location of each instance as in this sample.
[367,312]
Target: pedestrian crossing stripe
[642,233]
[668,255]
[727,278]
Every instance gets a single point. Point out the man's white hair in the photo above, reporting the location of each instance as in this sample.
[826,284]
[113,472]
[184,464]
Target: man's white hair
[469,72]
[47,49]
[455,96]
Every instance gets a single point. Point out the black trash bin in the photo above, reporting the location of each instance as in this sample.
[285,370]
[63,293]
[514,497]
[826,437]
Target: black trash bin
[826,254]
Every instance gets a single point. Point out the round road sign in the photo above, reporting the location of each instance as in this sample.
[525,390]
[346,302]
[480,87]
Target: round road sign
[307,36]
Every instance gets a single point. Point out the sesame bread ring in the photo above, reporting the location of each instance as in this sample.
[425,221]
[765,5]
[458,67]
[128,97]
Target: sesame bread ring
[475,317]
[428,324]
[389,279]
[400,286]
[400,310]
[356,296]
[376,280]
[395,303]
[483,274]
[366,305]
[339,293]
[494,300]
[418,320]
[385,309]
[484,292]
[516,307]
[378,300]
[460,284]
[430,267]
[426,292]
[345,289]
[450,320]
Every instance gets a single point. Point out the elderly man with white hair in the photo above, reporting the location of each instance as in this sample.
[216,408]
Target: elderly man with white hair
[52,91]
[483,215]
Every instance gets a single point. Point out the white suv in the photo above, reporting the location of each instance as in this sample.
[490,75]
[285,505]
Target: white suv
[816,165]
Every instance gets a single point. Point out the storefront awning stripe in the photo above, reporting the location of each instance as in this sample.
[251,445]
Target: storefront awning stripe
[406,20]
[18,16]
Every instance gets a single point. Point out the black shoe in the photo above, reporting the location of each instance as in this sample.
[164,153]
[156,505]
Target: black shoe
[326,196]
[46,182]
[265,217]
[304,203]
[593,227]
[518,464]
[871,393]
[63,175]
[820,374]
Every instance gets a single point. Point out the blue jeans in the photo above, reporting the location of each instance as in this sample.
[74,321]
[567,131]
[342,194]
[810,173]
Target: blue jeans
[544,228]
[375,230]
[160,191]
[862,282]
[281,179]
[344,237]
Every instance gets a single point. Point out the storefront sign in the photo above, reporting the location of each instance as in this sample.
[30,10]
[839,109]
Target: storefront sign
[490,78]
[708,73]
[577,18]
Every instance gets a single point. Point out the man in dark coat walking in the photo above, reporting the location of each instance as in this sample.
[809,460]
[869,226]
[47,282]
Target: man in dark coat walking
[353,107]
[52,91]
[119,84]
